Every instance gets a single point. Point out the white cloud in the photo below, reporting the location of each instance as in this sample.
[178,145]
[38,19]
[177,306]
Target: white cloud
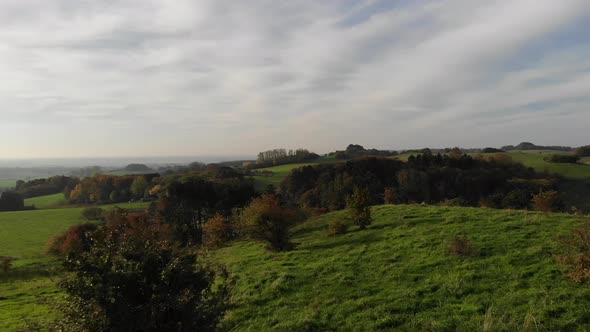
[137,77]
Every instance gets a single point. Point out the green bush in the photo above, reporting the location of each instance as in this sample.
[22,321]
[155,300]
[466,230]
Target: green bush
[93,213]
[359,204]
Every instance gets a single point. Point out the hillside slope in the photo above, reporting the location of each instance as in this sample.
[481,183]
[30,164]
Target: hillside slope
[398,275]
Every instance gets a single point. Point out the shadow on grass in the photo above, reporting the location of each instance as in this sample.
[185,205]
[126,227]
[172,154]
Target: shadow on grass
[338,241]
[28,273]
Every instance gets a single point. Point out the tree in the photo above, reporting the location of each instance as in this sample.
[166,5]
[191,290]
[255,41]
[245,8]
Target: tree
[546,201]
[583,151]
[390,196]
[139,186]
[135,278]
[216,232]
[359,204]
[11,201]
[267,221]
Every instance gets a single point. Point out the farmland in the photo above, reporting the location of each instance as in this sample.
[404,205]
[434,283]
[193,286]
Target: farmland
[46,202]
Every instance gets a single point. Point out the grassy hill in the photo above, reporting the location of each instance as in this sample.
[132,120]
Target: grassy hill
[7,183]
[28,289]
[397,275]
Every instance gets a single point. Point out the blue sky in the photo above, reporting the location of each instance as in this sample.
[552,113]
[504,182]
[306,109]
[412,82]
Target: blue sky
[156,77]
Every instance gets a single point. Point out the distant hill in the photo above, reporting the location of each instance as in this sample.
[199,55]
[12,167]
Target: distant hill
[527,146]
[137,168]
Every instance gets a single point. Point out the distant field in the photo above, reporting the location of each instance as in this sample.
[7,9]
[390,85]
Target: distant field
[535,160]
[397,275]
[46,202]
[124,173]
[28,289]
[280,172]
[7,183]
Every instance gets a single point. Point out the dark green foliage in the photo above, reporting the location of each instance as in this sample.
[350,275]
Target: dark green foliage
[43,187]
[93,213]
[135,278]
[281,157]
[563,158]
[11,201]
[583,151]
[491,150]
[359,204]
[187,205]
[424,178]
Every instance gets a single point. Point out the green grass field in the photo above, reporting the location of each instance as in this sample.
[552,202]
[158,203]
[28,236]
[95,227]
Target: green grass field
[397,275]
[27,291]
[46,202]
[280,172]
[4,183]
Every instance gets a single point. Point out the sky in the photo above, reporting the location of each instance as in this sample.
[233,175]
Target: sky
[123,78]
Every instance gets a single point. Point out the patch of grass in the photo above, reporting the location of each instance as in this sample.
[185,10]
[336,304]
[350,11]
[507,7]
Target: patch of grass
[7,183]
[47,202]
[397,275]
[280,172]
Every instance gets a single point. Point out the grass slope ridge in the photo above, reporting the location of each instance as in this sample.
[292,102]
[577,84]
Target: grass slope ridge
[398,275]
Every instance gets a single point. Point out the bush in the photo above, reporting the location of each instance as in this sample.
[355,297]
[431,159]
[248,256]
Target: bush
[216,232]
[390,196]
[76,239]
[547,201]
[460,245]
[576,253]
[359,205]
[337,227]
[562,158]
[93,214]
[6,263]
[266,220]
[136,278]
[458,201]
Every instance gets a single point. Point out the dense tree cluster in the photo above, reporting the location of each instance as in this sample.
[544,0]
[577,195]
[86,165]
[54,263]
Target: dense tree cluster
[424,178]
[188,204]
[110,188]
[282,156]
[42,187]
[356,151]
[11,201]
[583,151]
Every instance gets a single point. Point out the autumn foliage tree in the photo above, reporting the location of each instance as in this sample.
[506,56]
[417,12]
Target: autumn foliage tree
[267,221]
[546,201]
[216,232]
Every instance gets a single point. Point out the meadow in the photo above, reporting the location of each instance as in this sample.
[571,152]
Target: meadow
[397,275]
[7,183]
[47,202]
[29,289]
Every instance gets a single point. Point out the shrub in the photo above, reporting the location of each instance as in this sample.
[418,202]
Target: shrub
[337,227]
[6,263]
[583,151]
[576,253]
[390,196]
[359,205]
[76,239]
[516,199]
[216,232]
[266,220]
[136,278]
[458,201]
[93,213]
[563,158]
[460,245]
[547,201]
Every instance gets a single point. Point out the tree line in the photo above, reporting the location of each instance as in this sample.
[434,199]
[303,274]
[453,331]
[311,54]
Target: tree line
[278,157]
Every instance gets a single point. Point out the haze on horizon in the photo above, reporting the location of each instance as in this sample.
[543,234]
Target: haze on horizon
[187,78]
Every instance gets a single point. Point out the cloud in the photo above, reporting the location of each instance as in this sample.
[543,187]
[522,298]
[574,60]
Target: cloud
[147,77]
